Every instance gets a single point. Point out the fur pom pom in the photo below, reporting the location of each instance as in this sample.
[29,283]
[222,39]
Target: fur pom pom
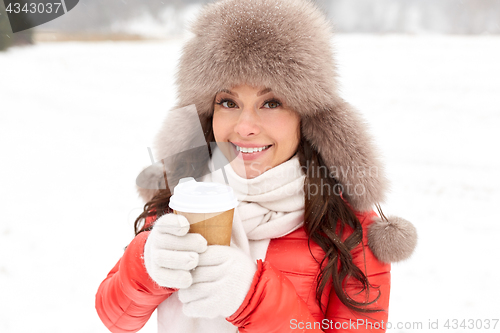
[392,240]
[146,194]
[149,181]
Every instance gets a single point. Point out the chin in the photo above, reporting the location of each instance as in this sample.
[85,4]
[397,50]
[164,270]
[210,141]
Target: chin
[252,174]
[247,172]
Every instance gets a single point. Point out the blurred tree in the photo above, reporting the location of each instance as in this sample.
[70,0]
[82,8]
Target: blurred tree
[381,16]
[5,31]
[443,16]
[7,38]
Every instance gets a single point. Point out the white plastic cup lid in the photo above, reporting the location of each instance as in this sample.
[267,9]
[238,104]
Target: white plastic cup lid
[191,196]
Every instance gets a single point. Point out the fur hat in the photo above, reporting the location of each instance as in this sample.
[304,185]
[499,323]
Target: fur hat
[284,45]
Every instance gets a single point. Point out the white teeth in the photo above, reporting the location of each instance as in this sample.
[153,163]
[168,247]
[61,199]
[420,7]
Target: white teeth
[250,150]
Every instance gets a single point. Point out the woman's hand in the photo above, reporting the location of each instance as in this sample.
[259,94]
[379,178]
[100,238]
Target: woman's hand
[221,282]
[170,252]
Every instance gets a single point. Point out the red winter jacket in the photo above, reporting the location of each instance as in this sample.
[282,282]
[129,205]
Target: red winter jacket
[282,297]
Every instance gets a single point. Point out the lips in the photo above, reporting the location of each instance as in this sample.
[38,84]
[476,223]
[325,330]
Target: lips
[250,152]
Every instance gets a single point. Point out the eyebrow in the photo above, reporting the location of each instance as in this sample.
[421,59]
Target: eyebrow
[262,92]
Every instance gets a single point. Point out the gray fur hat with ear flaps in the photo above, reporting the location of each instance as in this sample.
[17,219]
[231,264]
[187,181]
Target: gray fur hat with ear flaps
[285,45]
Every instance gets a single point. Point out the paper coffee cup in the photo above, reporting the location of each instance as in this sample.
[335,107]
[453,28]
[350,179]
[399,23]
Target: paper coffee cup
[209,208]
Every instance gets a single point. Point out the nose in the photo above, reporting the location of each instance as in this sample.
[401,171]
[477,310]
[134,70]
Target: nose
[248,123]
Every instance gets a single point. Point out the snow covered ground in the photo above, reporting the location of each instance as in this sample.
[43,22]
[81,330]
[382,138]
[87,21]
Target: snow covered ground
[76,120]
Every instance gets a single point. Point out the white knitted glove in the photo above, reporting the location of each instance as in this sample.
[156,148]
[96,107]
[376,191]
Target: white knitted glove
[170,252]
[221,282]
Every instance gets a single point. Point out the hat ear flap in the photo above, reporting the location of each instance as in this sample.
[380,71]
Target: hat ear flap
[340,136]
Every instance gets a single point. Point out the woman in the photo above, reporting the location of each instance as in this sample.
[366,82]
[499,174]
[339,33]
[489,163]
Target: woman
[307,251]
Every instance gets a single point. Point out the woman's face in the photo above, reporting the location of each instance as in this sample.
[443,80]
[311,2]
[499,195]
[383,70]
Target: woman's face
[262,131]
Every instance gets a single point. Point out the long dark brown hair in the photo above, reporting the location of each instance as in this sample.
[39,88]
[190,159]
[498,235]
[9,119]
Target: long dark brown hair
[326,218]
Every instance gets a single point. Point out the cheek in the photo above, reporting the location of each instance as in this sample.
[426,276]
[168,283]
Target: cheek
[288,132]
[219,127]
[297,133]
[293,140]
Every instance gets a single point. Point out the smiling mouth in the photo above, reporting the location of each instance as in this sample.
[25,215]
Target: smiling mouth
[251,150]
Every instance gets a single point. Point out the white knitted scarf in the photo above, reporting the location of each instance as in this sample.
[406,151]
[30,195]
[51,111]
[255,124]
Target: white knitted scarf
[270,206]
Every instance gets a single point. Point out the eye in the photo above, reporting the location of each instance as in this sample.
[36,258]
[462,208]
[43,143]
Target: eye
[227,103]
[272,104]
